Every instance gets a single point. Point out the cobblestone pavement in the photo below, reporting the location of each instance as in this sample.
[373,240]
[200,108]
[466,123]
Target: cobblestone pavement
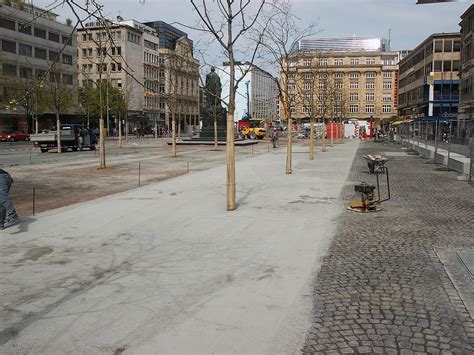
[382,288]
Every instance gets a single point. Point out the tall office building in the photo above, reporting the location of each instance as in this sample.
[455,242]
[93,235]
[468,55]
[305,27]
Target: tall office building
[429,77]
[35,47]
[256,94]
[343,78]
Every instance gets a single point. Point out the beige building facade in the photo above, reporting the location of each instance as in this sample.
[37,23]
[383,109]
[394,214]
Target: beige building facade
[125,53]
[466,104]
[349,81]
[429,78]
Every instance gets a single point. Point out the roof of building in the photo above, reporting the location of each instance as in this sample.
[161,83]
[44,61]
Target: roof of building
[343,44]
[470,9]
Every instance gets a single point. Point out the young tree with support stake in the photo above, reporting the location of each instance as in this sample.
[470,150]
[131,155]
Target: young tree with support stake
[234,14]
[58,97]
[280,39]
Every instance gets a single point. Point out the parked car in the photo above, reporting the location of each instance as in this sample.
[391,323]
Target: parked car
[12,136]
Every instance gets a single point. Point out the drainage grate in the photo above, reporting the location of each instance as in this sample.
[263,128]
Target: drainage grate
[467,258]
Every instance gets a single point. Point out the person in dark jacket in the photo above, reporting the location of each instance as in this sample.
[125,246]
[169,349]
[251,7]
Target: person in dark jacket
[8,216]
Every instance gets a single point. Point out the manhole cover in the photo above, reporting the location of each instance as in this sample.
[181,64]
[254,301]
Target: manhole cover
[467,258]
[394,154]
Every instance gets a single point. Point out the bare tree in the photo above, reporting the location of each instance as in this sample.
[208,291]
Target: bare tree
[229,26]
[280,42]
[58,97]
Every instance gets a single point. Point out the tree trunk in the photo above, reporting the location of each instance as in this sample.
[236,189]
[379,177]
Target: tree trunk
[289,145]
[215,134]
[311,142]
[58,130]
[231,195]
[120,130]
[156,130]
[173,129]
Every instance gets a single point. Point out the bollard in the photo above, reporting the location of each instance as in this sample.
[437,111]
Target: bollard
[187,166]
[252,149]
[34,200]
[268,147]
[30,155]
[449,142]
[139,172]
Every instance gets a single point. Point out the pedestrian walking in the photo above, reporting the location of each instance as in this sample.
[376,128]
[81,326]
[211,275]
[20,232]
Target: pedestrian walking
[274,137]
[8,216]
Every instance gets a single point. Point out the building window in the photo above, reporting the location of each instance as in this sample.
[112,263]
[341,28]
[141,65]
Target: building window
[161,74]
[53,37]
[40,53]
[323,75]
[448,45]
[438,46]
[291,86]
[338,61]
[162,88]
[386,108]
[53,56]
[354,75]
[306,109]
[40,74]
[447,65]
[25,50]
[369,108]
[291,76]
[388,61]
[8,46]
[86,68]
[354,61]
[387,74]
[457,46]
[370,74]
[353,97]
[67,79]
[455,65]
[116,50]
[24,28]
[370,61]
[338,75]
[66,40]
[40,33]
[338,85]
[307,86]
[26,73]
[369,96]
[8,24]
[307,62]
[387,97]
[322,85]
[387,84]
[370,85]
[323,62]
[67,59]
[292,109]
[306,97]
[307,76]
[354,85]
[9,70]
[354,108]
[437,65]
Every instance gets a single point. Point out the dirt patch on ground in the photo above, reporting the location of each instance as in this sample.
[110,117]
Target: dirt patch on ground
[46,186]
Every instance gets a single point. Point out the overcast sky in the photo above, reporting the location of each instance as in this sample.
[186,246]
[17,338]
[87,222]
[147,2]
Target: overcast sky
[409,23]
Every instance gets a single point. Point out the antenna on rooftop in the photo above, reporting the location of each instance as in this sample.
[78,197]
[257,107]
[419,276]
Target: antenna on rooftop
[389,39]
[141,2]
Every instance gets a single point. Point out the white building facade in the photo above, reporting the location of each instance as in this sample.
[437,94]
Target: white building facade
[256,94]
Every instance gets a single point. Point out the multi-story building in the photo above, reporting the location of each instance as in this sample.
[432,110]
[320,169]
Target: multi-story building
[466,100]
[256,94]
[429,77]
[125,53]
[179,77]
[36,50]
[343,78]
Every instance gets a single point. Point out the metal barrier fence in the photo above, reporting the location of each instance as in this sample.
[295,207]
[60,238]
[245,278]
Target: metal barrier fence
[442,141]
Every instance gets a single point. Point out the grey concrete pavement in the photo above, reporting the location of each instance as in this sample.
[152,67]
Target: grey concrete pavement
[165,268]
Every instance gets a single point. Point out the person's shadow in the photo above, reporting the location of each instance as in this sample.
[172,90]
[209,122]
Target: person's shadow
[23,225]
